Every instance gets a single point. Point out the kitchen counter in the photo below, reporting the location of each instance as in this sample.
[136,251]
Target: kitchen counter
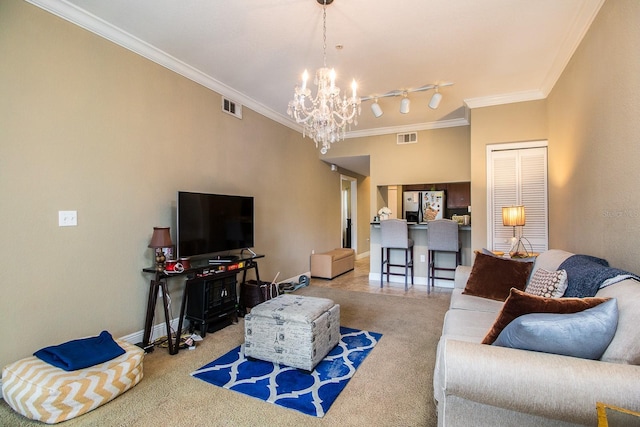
[418,232]
[423,225]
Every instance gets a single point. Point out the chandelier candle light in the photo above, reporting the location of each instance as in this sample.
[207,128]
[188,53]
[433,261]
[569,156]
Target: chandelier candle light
[325,116]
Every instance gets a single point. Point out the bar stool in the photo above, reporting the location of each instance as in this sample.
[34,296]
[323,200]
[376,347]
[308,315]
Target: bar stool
[395,235]
[442,236]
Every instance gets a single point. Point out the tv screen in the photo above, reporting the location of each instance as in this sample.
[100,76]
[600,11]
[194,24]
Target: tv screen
[213,223]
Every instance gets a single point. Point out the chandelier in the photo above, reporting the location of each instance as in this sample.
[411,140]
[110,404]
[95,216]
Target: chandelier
[325,116]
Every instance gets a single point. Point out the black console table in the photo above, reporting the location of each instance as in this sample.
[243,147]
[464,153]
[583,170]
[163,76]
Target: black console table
[213,295]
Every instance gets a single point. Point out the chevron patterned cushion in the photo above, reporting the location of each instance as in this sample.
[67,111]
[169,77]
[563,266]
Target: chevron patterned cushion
[43,392]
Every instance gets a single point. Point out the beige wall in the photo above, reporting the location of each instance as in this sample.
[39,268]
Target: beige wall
[591,122]
[441,155]
[594,141]
[86,125]
[524,121]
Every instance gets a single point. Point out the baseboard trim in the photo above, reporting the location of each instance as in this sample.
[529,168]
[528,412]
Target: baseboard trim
[159,330]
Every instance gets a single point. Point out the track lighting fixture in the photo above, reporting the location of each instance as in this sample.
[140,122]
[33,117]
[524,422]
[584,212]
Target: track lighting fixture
[375,108]
[435,99]
[405,103]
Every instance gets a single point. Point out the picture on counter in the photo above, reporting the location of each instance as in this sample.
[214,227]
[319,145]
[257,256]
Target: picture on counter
[169,252]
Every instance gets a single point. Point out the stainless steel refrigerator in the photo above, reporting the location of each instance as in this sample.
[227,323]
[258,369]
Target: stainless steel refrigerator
[411,206]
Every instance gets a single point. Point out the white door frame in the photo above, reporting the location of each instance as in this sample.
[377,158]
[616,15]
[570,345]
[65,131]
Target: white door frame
[354,210]
[490,148]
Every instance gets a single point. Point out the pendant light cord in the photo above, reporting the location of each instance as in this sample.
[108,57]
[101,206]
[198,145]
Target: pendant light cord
[324,34]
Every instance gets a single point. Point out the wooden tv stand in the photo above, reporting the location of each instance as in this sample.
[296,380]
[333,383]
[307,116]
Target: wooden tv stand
[208,296]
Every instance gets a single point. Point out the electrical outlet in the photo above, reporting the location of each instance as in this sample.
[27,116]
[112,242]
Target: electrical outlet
[422,258]
[67,218]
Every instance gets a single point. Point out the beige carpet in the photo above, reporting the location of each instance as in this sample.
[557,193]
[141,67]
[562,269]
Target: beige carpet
[392,387]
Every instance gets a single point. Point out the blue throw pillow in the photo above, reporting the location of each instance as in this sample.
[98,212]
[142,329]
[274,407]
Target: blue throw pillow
[585,334]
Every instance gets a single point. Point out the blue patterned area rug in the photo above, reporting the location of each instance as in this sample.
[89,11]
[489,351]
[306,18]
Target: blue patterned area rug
[310,393]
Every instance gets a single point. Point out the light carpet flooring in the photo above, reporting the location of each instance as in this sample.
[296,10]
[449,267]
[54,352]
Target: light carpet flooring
[392,387]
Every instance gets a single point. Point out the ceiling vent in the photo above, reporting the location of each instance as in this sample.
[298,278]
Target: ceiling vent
[407,138]
[231,107]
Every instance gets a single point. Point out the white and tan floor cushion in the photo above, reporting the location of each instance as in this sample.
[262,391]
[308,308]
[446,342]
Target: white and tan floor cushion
[43,392]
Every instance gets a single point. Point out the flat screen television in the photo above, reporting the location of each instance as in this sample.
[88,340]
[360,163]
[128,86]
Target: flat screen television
[211,224]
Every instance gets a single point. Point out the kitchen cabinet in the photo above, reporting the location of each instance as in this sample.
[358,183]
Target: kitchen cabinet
[458,195]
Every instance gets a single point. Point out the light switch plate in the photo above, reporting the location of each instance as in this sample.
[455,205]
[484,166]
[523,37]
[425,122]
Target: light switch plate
[67,218]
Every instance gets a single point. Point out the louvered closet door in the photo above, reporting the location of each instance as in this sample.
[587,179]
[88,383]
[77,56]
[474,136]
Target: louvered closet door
[518,177]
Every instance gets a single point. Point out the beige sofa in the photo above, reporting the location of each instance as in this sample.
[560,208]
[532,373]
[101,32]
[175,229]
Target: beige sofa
[484,385]
[330,264]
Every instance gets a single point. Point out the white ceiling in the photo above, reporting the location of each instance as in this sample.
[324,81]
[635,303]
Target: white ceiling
[254,51]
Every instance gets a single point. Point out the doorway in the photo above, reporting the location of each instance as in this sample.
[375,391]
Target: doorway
[517,175]
[349,212]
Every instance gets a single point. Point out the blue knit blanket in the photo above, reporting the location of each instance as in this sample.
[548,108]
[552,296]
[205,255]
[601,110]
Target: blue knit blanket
[586,274]
[81,353]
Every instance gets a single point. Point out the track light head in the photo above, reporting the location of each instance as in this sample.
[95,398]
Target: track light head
[375,108]
[435,100]
[405,104]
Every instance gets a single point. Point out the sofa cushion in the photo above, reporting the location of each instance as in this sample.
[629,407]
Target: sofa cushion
[550,260]
[460,301]
[520,303]
[545,283]
[492,277]
[625,347]
[585,334]
[467,323]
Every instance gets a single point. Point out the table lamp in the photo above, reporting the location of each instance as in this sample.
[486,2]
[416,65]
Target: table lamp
[160,239]
[514,216]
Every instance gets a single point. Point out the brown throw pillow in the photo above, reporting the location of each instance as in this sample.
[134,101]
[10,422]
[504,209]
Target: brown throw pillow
[492,277]
[520,303]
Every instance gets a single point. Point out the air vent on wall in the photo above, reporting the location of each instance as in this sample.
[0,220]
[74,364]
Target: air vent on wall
[407,138]
[231,107]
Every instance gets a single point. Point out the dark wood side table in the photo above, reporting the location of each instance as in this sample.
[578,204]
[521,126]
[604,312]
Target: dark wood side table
[159,283]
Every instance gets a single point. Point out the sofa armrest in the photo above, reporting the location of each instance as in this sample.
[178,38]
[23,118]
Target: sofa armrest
[461,276]
[548,385]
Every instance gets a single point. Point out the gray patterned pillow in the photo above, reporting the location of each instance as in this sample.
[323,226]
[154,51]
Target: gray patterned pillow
[548,284]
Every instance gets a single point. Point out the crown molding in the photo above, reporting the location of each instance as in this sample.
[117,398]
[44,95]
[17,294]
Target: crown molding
[507,98]
[579,28]
[98,26]
[408,128]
